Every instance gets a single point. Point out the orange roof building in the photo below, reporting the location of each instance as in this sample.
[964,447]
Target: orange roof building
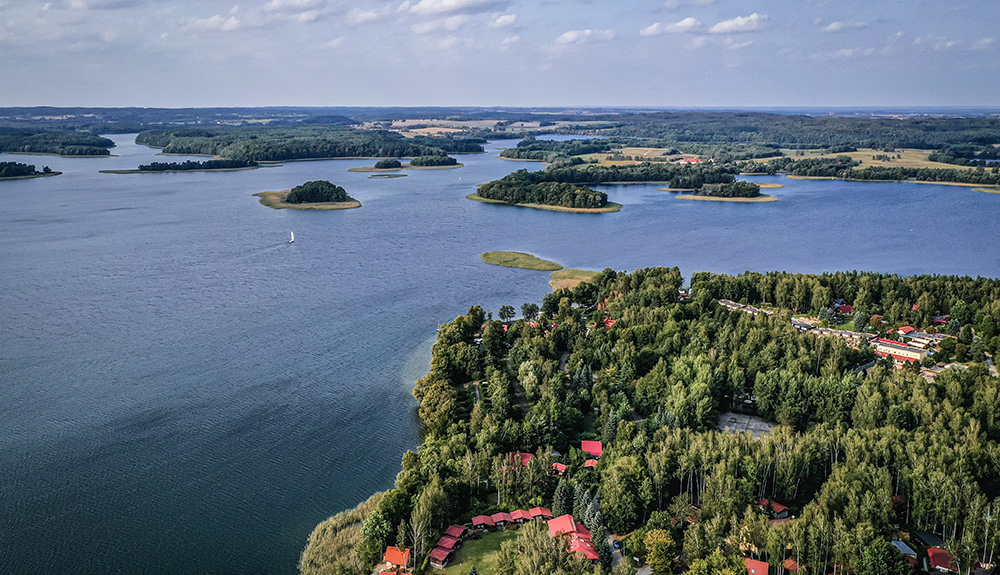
[594,448]
[396,556]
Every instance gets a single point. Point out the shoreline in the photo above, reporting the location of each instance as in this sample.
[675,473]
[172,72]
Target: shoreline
[757,200]
[520,260]
[31,176]
[276,201]
[62,155]
[177,171]
[611,207]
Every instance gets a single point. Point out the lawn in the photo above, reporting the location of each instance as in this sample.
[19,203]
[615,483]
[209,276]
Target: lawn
[569,278]
[480,553]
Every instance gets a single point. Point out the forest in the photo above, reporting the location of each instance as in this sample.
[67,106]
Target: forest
[431,161]
[192,165]
[54,142]
[19,170]
[859,456]
[316,192]
[277,143]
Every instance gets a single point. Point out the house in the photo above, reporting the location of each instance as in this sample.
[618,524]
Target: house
[755,567]
[440,557]
[691,160]
[594,448]
[540,513]
[397,557]
[905,330]
[524,458]
[482,522]
[845,309]
[459,532]
[941,560]
[520,516]
[791,564]
[448,542]
[590,464]
[773,508]
[502,519]
[609,323]
[925,539]
[562,525]
[578,536]
[558,469]
[905,549]
[899,351]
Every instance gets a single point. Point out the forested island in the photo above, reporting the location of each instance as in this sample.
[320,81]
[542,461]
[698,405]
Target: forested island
[19,171]
[54,142]
[604,403]
[315,195]
[190,166]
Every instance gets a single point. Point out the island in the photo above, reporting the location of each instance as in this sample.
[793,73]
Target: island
[420,162]
[314,195]
[661,418]
[738,191]
[519,260]
[189,166]
[72,143]
[19,171]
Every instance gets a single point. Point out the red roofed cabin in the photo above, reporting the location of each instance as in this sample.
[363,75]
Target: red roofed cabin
[540,513]
[482,522]
[520,516]
[502,519]
[523,458]
[775,509]
[459,532]
[941,560]
[448,542]
[590,464]
[440,557]
[558,469]
[845,309]
[755,567]
[578,535]
[396,556]
[594,448]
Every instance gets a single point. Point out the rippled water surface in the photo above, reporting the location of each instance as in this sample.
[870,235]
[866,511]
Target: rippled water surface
[186,392]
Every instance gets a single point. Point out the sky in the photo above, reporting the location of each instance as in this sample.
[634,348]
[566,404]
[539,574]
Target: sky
[516,53]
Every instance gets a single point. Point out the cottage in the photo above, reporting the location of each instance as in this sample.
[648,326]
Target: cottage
[593,448]
[579,537]
[905,549]
[520,516]
[459,532]
[941,560]
[397,557]
[502,519]
[482,522]
[773,508]
[540,513]
[755,567]
[448,542]
[558,469]
[440,557]
[590,464]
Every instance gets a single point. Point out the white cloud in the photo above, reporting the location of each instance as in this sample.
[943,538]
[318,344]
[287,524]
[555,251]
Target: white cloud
[334,44]
[584,36]
[293,5]
[217,23]
[739,24]
[511,40]
[505,21]
[450,24]
[936,42]
[846,25]
[686,25]
[984,44]
[356,16]
[443,6]
[731,45]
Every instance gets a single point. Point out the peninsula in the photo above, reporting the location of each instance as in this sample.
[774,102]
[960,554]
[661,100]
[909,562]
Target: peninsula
[19,171]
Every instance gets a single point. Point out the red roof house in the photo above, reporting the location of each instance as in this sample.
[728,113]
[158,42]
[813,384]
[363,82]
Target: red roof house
[524,458]
[941,560]
[456,531]
[502,518]
[845,309]
[594,448]
[558,468]
[590,464]
[905,330]
[562,525]
[581,547]
[609,323]
[791,564]
[778,511]
[755,567]
[396,556]
[520,515]
[448,542]
[540,513]
[440,557]
[482,522]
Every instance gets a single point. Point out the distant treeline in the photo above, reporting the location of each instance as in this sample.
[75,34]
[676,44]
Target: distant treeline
[966,155]
[548,150]
[426,161]
[191,165]
[62,143]
[880,173]
[813,167]
[18,170]
[677,175]
[300,142]
[317,191]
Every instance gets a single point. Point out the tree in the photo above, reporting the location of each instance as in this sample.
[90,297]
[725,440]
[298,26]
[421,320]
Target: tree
[529,311]
[882,558]
[661,552]
[562,501]
[506,313]
[718,563]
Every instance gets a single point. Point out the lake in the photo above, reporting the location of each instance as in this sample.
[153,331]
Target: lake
[187,392]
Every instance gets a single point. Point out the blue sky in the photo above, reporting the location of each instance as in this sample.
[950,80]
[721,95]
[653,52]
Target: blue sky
[672,53]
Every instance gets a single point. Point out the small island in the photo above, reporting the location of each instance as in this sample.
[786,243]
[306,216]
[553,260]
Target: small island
[19,171]
[417,163]
[738,191]
[519,260]
[315,195]
[189,166]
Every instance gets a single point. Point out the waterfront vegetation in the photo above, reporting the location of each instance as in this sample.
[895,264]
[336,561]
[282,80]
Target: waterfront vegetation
[62,143]
[519,260]
[189,166]
[433,162]
[315,195]
[18,171]
[859,457]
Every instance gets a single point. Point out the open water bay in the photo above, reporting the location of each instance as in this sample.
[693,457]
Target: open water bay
[185,392]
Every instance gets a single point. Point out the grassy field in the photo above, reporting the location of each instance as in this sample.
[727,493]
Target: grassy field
[758,199]
[519,260]
[639,155]
[569,278]
[276,200]
[480,553]
[912,158]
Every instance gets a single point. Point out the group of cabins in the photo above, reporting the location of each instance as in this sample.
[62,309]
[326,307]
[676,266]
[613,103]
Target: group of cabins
[593,449]
[578,536]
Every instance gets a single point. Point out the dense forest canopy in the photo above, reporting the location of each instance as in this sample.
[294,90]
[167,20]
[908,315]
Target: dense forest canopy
[19,170]
[192,165]
[431,161]
[316,192]
[860,457]
[53,142]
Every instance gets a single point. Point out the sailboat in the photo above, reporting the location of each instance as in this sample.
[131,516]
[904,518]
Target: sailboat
[292,240]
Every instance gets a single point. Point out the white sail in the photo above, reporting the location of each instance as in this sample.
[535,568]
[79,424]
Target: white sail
[292,241]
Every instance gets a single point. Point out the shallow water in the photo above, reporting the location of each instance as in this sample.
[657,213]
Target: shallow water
[186,392]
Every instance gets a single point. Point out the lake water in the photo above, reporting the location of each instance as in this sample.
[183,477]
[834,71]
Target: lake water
[186,392]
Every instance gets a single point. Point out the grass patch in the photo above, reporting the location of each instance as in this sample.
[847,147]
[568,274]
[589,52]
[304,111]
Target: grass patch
[610,207]
[276,200]
[481,553]
[519,260]
[758,199]
[569,278]
[912,158]
[987,190]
